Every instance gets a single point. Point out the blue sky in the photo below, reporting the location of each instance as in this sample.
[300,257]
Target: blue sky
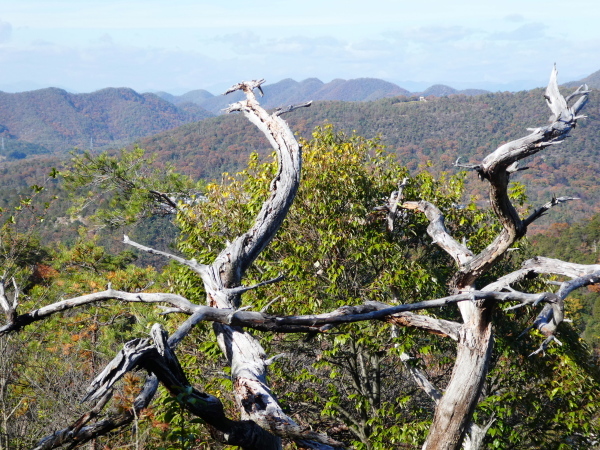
[181,45]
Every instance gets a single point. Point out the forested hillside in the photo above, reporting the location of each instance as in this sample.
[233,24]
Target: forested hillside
[592,81]
[437,131]
[53,120]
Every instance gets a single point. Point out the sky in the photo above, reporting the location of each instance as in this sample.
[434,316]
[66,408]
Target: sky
[182,45]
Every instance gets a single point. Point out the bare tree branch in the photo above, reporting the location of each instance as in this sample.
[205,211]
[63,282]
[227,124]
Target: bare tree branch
[398,314]
[22,320]
[539,212]
[395,199]
[421,379]
[439,234]
[495,168]
[455,409]
[159,359]
[541,264]
[76,435]
[290,108]
[476,435]
[191,263]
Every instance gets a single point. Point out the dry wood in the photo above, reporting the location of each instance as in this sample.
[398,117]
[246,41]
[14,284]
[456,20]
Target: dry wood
[475,344]
[263,423]
[398,314]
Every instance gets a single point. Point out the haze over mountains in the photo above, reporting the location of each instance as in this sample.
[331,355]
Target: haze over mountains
[289,92]
[593,81]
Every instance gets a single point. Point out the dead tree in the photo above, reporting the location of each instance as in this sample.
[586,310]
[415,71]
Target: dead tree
[263,423]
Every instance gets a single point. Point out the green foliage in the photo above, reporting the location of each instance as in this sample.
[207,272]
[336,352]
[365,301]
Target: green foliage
[550,402]
[334,250]
[183,431]
[130,186]
[45,367]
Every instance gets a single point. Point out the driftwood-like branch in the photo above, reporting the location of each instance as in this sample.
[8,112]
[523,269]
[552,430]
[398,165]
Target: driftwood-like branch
[455,409]
[290,108]
[476,435]
[440,327]
[563,120]
[72,433]
[398,314]
[438,232]
[395,199]
[475,167]
[9,307]
[243,251]
[542,265]
[22,320]
[170,203]
[79,433]
[158,358]
[244,353]
[421,379]
[496,168]
[191,263]
[552,314]
[246,87]
[539,212]
[101,389]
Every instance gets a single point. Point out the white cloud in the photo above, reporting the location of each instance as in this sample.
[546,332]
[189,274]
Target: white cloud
[5,32]
[523,33]
[184,45]
[433,34]
[242,38]
[514,18]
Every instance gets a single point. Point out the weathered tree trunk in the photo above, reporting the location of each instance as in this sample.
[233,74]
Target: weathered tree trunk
[455,410]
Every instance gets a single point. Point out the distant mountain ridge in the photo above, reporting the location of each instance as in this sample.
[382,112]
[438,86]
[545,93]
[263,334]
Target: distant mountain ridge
[289,92]
[53,120]
[593,81]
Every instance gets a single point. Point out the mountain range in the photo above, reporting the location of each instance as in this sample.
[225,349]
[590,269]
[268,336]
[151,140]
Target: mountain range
[289,92]
[593,81]
[53,120]
[181,131]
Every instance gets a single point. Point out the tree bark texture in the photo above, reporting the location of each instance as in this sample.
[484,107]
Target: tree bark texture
[454,411]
